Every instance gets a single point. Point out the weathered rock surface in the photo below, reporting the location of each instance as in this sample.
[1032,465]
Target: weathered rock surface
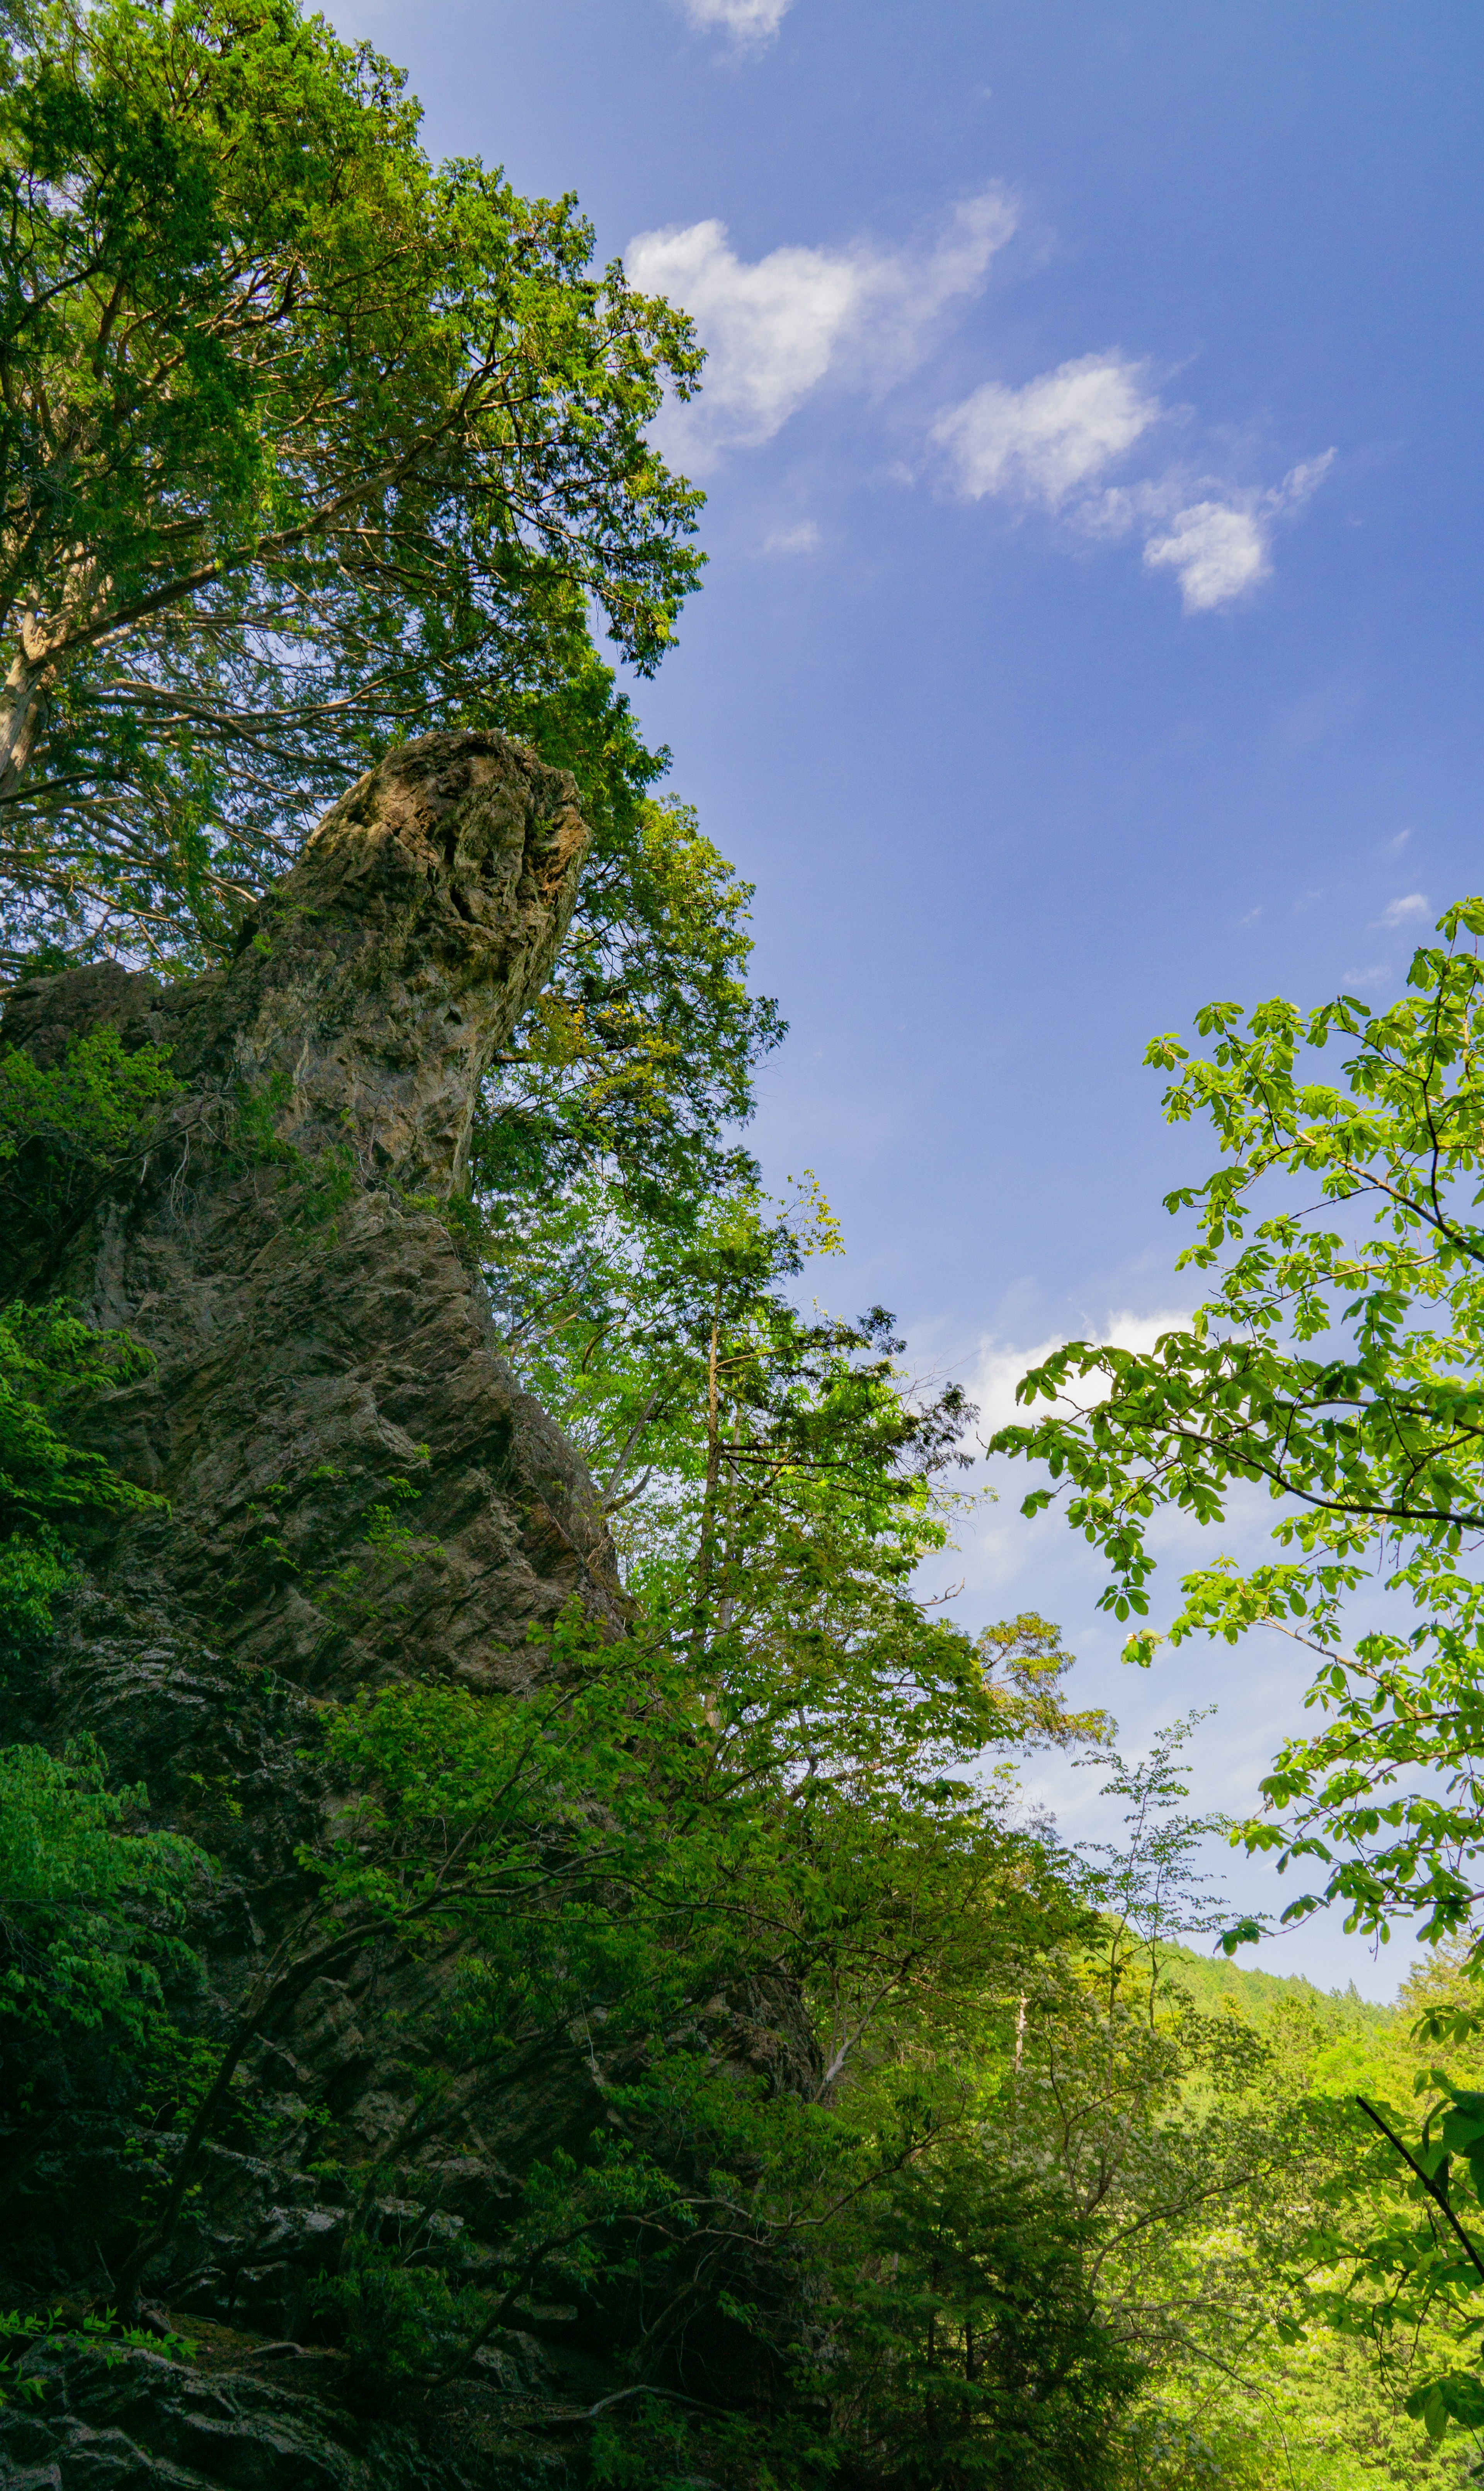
[283,1256]
[144,2420]
[316,1336]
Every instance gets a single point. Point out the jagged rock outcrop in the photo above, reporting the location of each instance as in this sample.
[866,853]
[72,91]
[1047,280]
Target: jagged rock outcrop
[315,1335]
[282,1256]
[144,2419]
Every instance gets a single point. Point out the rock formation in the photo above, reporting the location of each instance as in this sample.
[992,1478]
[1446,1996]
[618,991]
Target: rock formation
[283,1256]
[316,1335]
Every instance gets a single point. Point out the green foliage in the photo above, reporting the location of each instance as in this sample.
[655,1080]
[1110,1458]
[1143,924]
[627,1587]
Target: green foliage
[624,1838]
[1240,2215]
[641,1053]
[749,1826]
[90,1902]
[773,1478]
[64,1133]
[892,2144]
[396,2320]
[32,1570]
[972,2350]
[1385,2297]
[306,446]
[1319,2416]
[758,1794]
[1337,1366]
[1149,1887]
[305,443]
[51,1365]
[82,1115]
[52,2331]
[662,2441]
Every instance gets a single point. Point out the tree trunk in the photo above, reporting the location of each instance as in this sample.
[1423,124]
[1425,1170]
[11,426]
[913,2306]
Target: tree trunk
[28,688]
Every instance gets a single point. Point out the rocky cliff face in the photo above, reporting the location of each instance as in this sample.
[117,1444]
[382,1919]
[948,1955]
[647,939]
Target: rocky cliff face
[316,1337]
[281,1253]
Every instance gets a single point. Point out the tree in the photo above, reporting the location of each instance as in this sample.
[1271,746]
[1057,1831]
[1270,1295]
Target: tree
[632,1072]
[675,1932]
[973,2355]
[1337,1365]
[89,1906]
[1303,2318]
[63,1133]
[1149,1888]
[1174,2136]
[304,444]
[775,1481]
[54,1493]
[774,1478]
[721,1882]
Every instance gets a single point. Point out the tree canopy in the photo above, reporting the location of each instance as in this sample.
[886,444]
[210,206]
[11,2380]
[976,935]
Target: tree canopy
[304,444]
[1335,1365]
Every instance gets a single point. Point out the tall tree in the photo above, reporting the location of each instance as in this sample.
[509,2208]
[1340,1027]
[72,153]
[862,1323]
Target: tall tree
[1336,1364]
[304,444]
[634,1070]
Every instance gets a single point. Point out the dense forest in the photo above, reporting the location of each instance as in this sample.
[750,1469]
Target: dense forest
[523,1955]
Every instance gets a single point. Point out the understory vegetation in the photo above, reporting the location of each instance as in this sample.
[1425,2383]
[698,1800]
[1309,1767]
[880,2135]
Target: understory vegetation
[930,2155]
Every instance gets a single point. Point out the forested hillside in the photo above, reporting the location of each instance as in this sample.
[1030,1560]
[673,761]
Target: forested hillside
[523,1959]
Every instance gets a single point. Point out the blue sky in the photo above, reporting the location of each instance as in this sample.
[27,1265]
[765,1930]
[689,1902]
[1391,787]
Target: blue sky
[1094,618]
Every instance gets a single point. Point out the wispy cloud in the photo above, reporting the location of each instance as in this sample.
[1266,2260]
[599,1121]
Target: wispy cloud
[1214,552]
[864,315]
[1052,441]
[746,21]
[777,328]
[804,538]
[1407,910]
[1043,442]
[1218,549]
[1395,846]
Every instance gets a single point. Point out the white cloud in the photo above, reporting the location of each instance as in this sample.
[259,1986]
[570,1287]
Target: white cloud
[803,539]
[1041,442]
[1395,846]
[746,21]
[1218,549]
[1051,441]
[995,1377]
[1214,551]
[1405,912]
[1300,483]
[778,328]
[996,1547]
[775,328]
[1000,1369]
